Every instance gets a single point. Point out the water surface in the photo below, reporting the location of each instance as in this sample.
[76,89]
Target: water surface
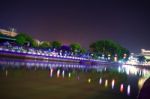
[28,79]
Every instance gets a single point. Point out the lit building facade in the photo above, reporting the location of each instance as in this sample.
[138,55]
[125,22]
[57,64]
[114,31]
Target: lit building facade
[11,33]
[145,53]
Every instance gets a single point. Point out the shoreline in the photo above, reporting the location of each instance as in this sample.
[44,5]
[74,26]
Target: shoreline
[8,54]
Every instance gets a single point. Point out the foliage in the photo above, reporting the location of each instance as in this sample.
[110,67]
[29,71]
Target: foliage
[108,47]
[23,39]
[98,48]
[56,44]
[82,50]
[75,47]
[45,44]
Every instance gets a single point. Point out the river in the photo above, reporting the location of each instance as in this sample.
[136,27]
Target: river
[31,79]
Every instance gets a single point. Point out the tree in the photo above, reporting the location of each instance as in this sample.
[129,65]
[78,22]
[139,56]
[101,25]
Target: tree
[82,50]
[34,43]
[45,44]
[75,47]
[23,39]
[108,47]
[56,44]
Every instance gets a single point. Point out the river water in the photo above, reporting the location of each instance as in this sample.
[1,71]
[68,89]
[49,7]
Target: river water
[124,80]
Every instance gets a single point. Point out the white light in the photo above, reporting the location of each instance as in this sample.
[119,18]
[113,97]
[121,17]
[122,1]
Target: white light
[58,73]
[100,81]
[63,73]
[51,72]
[119,69]
[128,90]
[89,80]
[113,84]
[69,75]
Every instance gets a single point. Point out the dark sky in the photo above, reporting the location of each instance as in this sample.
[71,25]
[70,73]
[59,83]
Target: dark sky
[124,21]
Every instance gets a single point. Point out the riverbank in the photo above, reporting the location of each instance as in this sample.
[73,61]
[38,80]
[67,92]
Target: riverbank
[20,55]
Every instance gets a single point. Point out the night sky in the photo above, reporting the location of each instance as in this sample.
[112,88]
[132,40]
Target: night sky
[124,21]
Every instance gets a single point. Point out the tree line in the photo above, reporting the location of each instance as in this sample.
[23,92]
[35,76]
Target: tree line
[96,49]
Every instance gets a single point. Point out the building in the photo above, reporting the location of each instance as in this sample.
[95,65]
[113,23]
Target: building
[10,33]
[145,53]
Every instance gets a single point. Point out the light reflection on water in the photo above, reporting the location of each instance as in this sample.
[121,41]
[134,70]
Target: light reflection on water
[100,81]
[141,82]
[113,84]
[143,74]
[128,90]
[106,83]
[123,87]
